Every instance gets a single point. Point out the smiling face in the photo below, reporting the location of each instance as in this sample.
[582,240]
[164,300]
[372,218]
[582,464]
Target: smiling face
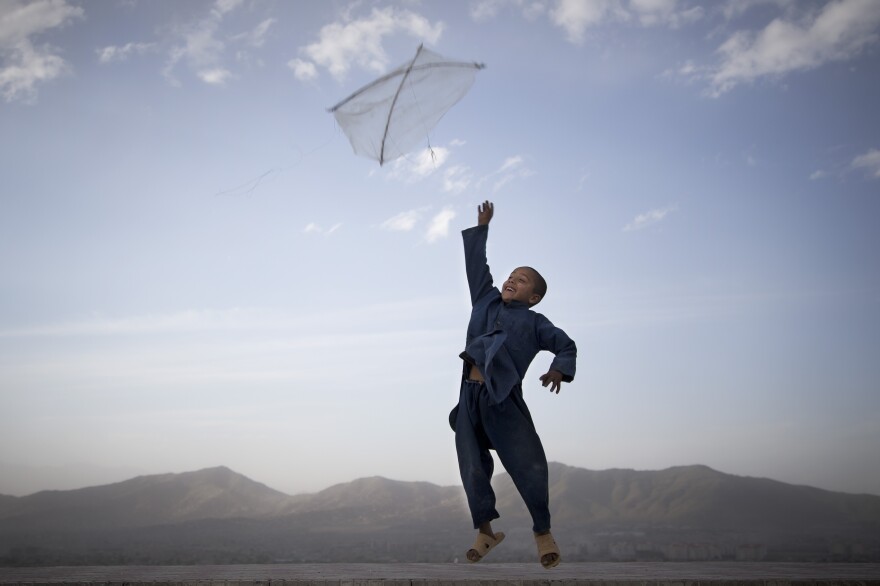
[520,286]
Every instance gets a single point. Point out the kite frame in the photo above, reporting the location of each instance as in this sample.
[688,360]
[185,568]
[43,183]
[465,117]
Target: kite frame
[405,74]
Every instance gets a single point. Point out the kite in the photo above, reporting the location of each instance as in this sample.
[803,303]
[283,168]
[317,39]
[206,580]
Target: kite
[385,119]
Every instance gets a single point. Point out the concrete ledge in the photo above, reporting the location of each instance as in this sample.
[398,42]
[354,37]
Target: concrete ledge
[482,574]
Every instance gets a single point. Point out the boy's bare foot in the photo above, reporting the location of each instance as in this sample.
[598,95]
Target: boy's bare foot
[548,551]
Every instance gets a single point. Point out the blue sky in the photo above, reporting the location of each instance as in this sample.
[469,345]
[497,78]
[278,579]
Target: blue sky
[197,270]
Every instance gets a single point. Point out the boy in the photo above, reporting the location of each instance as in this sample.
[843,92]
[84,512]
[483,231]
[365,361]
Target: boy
[503,337]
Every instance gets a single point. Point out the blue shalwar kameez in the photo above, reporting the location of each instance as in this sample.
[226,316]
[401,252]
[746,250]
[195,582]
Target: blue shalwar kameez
[502,340]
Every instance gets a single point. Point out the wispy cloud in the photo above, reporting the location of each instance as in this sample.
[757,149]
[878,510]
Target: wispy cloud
[456,179]
[649,13]
[838,32]
[25,65]
[303,70]
[422,164]
[199,45]
[870,161]
[439,226]
[511,168]
[402,222]
[358,42]
[256,37]
[212,320]
[115,54]
[216,76]
[202,45]
[313,228]
[576,17]
[650,218]
[484,10]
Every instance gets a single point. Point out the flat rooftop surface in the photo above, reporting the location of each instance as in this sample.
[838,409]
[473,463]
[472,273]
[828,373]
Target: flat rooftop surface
[461,574]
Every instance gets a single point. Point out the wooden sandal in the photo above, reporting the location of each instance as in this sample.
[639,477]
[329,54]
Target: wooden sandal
[483,545]
[547,545]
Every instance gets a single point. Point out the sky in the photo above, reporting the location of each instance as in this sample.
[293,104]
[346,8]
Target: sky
[197,270]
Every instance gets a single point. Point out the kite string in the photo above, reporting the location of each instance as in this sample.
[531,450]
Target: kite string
[243,188]
[425,127]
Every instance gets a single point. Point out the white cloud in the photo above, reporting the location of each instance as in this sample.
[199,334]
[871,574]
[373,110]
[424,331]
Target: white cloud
[511,169]
[202,45]
[818,174]
[182,321]
[485,10]
[303,70]
[216,76]
[456,179]
[313,228]
[869,161]
[206,320]
[736,8]
[359,42]
[840,31]
[511,163]
[647,219]
[111,54]
[24,65]
[689,72]
[418,166]
[428,160]
[221,7]
[256,37]
[664,12]
[402,222]
[687,69]
[439,226]
[576,16]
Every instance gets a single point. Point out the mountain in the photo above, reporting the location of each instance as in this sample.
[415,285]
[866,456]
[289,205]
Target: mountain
[694,496]
[219,516]
[214,493]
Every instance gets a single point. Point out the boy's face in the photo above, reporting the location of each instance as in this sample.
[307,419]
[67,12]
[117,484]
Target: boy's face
[520,286]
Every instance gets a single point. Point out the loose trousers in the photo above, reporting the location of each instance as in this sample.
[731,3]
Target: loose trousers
[507,428]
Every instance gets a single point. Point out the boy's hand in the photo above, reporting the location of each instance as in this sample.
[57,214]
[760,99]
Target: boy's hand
[484,213]
[552,378]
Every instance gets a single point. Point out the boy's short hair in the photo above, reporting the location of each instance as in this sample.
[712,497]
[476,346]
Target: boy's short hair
[540,284]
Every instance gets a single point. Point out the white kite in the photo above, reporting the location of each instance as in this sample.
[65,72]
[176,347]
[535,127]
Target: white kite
[387,118]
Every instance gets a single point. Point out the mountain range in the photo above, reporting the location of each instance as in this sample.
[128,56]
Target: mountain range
[219,516]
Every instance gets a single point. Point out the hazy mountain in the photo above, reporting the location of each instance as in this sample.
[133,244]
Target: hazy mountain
[214,493]
[693,496]
[219,516]
[21,479]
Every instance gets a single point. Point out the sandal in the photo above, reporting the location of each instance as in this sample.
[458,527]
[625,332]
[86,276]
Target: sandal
[547,545]
[483,545]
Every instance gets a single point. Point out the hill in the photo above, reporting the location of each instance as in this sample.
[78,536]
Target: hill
[694,496]
[214,493]
[219,516]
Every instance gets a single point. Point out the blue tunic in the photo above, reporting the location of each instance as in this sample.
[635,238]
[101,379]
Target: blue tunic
[504,338]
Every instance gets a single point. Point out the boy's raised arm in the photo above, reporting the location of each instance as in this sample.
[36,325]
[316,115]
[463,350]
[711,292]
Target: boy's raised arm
[478,275]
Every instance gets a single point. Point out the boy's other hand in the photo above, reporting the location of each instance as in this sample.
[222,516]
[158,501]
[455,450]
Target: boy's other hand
[552,378]
[484,213]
